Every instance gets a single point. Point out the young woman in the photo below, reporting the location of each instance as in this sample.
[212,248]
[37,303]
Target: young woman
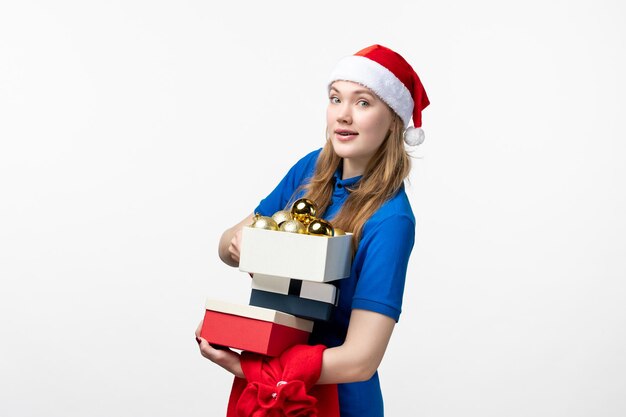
[356,180]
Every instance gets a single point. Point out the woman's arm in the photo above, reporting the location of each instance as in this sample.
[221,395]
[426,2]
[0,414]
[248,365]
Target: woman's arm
[356,360]
[230,242]
[363,350]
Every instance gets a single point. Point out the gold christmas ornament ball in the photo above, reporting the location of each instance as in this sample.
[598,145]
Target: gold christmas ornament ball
[281,216]
[320,227]
[292,226]
[339,232]
[264,222]
[303,210]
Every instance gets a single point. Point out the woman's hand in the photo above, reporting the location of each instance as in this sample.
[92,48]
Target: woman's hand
[235,246]
[230,242]
[222,356]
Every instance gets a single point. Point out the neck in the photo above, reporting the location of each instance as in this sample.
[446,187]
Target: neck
[352,168]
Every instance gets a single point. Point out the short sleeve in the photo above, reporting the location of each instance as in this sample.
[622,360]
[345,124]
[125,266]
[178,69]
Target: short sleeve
[298,175]
[384,257]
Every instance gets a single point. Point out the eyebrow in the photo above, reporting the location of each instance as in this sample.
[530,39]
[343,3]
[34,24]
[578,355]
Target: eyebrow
[356,92]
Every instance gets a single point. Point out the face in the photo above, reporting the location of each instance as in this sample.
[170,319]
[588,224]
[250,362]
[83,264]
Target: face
[358,122]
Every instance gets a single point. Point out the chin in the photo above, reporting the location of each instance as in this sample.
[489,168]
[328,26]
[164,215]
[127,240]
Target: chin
[343,150]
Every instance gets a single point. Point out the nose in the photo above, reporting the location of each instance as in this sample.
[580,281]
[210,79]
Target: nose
[344,114]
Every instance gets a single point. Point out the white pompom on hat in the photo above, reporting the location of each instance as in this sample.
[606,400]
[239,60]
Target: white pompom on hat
[392,79]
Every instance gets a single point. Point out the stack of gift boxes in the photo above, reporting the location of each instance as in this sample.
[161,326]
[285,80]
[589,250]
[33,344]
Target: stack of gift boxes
[292,276]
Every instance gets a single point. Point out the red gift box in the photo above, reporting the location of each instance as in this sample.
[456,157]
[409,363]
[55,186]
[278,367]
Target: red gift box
[253,329]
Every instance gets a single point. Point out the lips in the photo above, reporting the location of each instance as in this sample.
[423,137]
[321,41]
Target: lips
[344,134]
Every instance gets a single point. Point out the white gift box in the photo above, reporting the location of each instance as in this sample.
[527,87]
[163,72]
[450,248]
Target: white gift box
[297,256]
[317,291]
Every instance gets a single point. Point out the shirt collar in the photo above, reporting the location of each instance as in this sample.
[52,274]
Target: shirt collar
[348,182]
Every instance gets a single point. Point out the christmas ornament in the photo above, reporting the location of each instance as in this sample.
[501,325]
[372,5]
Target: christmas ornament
[264,222]
[320,227]
[338,232]
[292,226]
[281,216]
[303,210]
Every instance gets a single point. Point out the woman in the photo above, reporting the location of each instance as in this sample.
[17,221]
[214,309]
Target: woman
[356,180]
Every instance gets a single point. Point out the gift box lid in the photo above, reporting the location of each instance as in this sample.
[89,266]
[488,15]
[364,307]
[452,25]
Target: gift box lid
[320,291]
[260,313]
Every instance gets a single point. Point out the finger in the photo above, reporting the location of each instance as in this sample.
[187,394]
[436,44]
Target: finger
[235,241]
[199,329]
[205,348]
[214,353]
[234,254]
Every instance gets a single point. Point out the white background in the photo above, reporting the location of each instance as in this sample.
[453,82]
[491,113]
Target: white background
[134,132]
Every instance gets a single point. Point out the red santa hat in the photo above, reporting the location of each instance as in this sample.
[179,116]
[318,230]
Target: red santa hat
[392,79]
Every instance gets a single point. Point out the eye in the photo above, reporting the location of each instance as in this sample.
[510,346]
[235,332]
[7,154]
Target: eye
[363,103]
[335,100]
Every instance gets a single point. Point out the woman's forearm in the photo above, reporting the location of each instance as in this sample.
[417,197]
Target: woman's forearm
[358,358]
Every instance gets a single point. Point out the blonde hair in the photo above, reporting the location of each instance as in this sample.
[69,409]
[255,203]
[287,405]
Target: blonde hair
[383,177]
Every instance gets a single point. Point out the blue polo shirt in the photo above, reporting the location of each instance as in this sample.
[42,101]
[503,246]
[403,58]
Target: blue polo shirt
[376,281]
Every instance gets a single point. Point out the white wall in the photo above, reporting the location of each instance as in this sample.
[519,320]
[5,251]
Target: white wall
[134,132]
